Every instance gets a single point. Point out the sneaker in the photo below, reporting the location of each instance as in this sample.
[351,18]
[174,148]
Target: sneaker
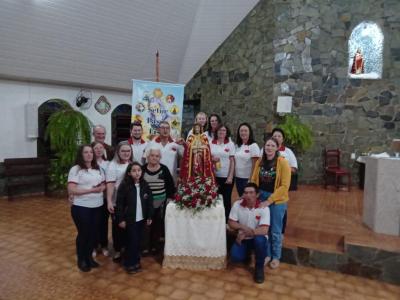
[259,275]
[93,263]
[94,253]
[105,251]
[274,264]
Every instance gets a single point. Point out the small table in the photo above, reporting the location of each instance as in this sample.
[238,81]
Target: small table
[195,242]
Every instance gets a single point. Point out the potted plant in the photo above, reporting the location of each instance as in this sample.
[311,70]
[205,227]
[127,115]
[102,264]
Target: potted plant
[297,134]
[66,129]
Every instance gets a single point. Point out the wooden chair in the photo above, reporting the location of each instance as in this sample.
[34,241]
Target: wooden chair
[25,175]
[333,170]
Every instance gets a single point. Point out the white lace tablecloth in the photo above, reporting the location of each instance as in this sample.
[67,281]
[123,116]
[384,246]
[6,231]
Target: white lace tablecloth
[195,242]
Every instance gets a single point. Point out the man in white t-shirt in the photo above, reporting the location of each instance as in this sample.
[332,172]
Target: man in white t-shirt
[252,223]
[138,144]
[170,149]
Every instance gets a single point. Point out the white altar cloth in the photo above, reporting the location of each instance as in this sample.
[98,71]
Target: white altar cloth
[195,242]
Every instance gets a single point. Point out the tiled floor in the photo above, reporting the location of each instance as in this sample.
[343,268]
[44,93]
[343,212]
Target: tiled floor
[320,218]
[37,261]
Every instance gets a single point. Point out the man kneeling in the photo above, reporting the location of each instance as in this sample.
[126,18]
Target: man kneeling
[252,222]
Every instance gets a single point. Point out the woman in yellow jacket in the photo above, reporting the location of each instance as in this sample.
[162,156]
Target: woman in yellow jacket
[272,174]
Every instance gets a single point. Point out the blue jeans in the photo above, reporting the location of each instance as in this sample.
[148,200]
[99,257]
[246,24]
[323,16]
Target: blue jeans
[277,211]
[240,185]
[259,244]
[264,195]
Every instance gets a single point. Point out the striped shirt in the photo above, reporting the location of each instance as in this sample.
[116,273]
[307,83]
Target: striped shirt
[156,181]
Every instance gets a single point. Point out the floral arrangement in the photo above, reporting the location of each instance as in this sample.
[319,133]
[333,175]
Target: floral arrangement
[196,194]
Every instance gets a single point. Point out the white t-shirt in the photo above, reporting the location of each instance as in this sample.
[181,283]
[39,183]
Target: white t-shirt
[114,174]
[289,155]
[139,211]
[138,151]
[243,159]
[86,179]
[169,154]
[103,165]
[224,152]
[251,217]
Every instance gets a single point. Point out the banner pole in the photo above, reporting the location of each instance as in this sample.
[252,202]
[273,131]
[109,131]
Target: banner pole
[157,66]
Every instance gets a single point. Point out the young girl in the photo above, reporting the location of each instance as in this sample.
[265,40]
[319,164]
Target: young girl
[114,175]
[134,210]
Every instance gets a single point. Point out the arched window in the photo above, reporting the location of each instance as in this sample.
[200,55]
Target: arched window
[365,51]
[120,123]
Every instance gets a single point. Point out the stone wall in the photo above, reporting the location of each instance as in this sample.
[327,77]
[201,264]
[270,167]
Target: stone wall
[299,48]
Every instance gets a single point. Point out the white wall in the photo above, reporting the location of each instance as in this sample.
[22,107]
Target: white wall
[13,97]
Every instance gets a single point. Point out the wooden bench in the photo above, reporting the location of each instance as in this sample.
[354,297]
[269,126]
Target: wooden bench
[25,176]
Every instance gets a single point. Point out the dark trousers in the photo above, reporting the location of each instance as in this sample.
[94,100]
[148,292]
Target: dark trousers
[134,234]
[86,221]
[240,253]
[155,231]
[102,234]
[240,185]
[118,235]
[226,191]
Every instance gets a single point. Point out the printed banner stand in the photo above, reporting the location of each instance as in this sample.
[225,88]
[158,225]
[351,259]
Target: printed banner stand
[154,102]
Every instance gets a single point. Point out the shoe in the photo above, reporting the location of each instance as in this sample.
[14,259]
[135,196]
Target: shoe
[154,251]
[93,263]
[94,253]
[145,253]
[138,267]
[117,257]
[105,251]
[259,275]
[274,264]
[83,266]
[133,269]
[267,260]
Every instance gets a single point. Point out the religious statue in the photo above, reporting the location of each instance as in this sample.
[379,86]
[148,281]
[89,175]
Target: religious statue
[196,161]
[358,63]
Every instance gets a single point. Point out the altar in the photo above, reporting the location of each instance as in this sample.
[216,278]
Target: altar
[195,241]
[381,207]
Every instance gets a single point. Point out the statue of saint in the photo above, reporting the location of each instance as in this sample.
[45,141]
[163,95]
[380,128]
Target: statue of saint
[358,63]
[196,160]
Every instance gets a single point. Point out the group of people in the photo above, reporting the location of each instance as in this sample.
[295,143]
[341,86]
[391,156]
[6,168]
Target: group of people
[132,186]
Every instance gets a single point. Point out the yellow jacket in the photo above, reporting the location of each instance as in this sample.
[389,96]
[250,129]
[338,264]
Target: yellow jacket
[282,180]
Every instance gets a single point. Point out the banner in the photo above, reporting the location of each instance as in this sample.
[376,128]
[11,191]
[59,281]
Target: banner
[154,102]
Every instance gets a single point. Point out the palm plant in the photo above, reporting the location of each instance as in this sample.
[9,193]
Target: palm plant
[66,129]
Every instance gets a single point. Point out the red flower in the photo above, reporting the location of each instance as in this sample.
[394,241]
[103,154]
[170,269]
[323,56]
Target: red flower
[214,195]
[173,149]
[247,151]
[178,197]
[226,150]
[208,188]
[187,191]
[195,186]
[202,179]
[258,218]
[194,203]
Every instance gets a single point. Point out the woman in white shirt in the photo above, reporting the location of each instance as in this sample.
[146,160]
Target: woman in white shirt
[213,122]
[287,153]
[201,118]
[114,175]
[85,188]
[102,234]
[223,153]
[246,154]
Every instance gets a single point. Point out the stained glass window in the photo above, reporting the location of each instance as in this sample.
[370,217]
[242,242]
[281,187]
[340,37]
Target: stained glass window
[365,51]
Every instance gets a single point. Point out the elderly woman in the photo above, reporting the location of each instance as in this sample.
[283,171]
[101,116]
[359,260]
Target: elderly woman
[85,186]
[162,186]
[272,175]
[114,174]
